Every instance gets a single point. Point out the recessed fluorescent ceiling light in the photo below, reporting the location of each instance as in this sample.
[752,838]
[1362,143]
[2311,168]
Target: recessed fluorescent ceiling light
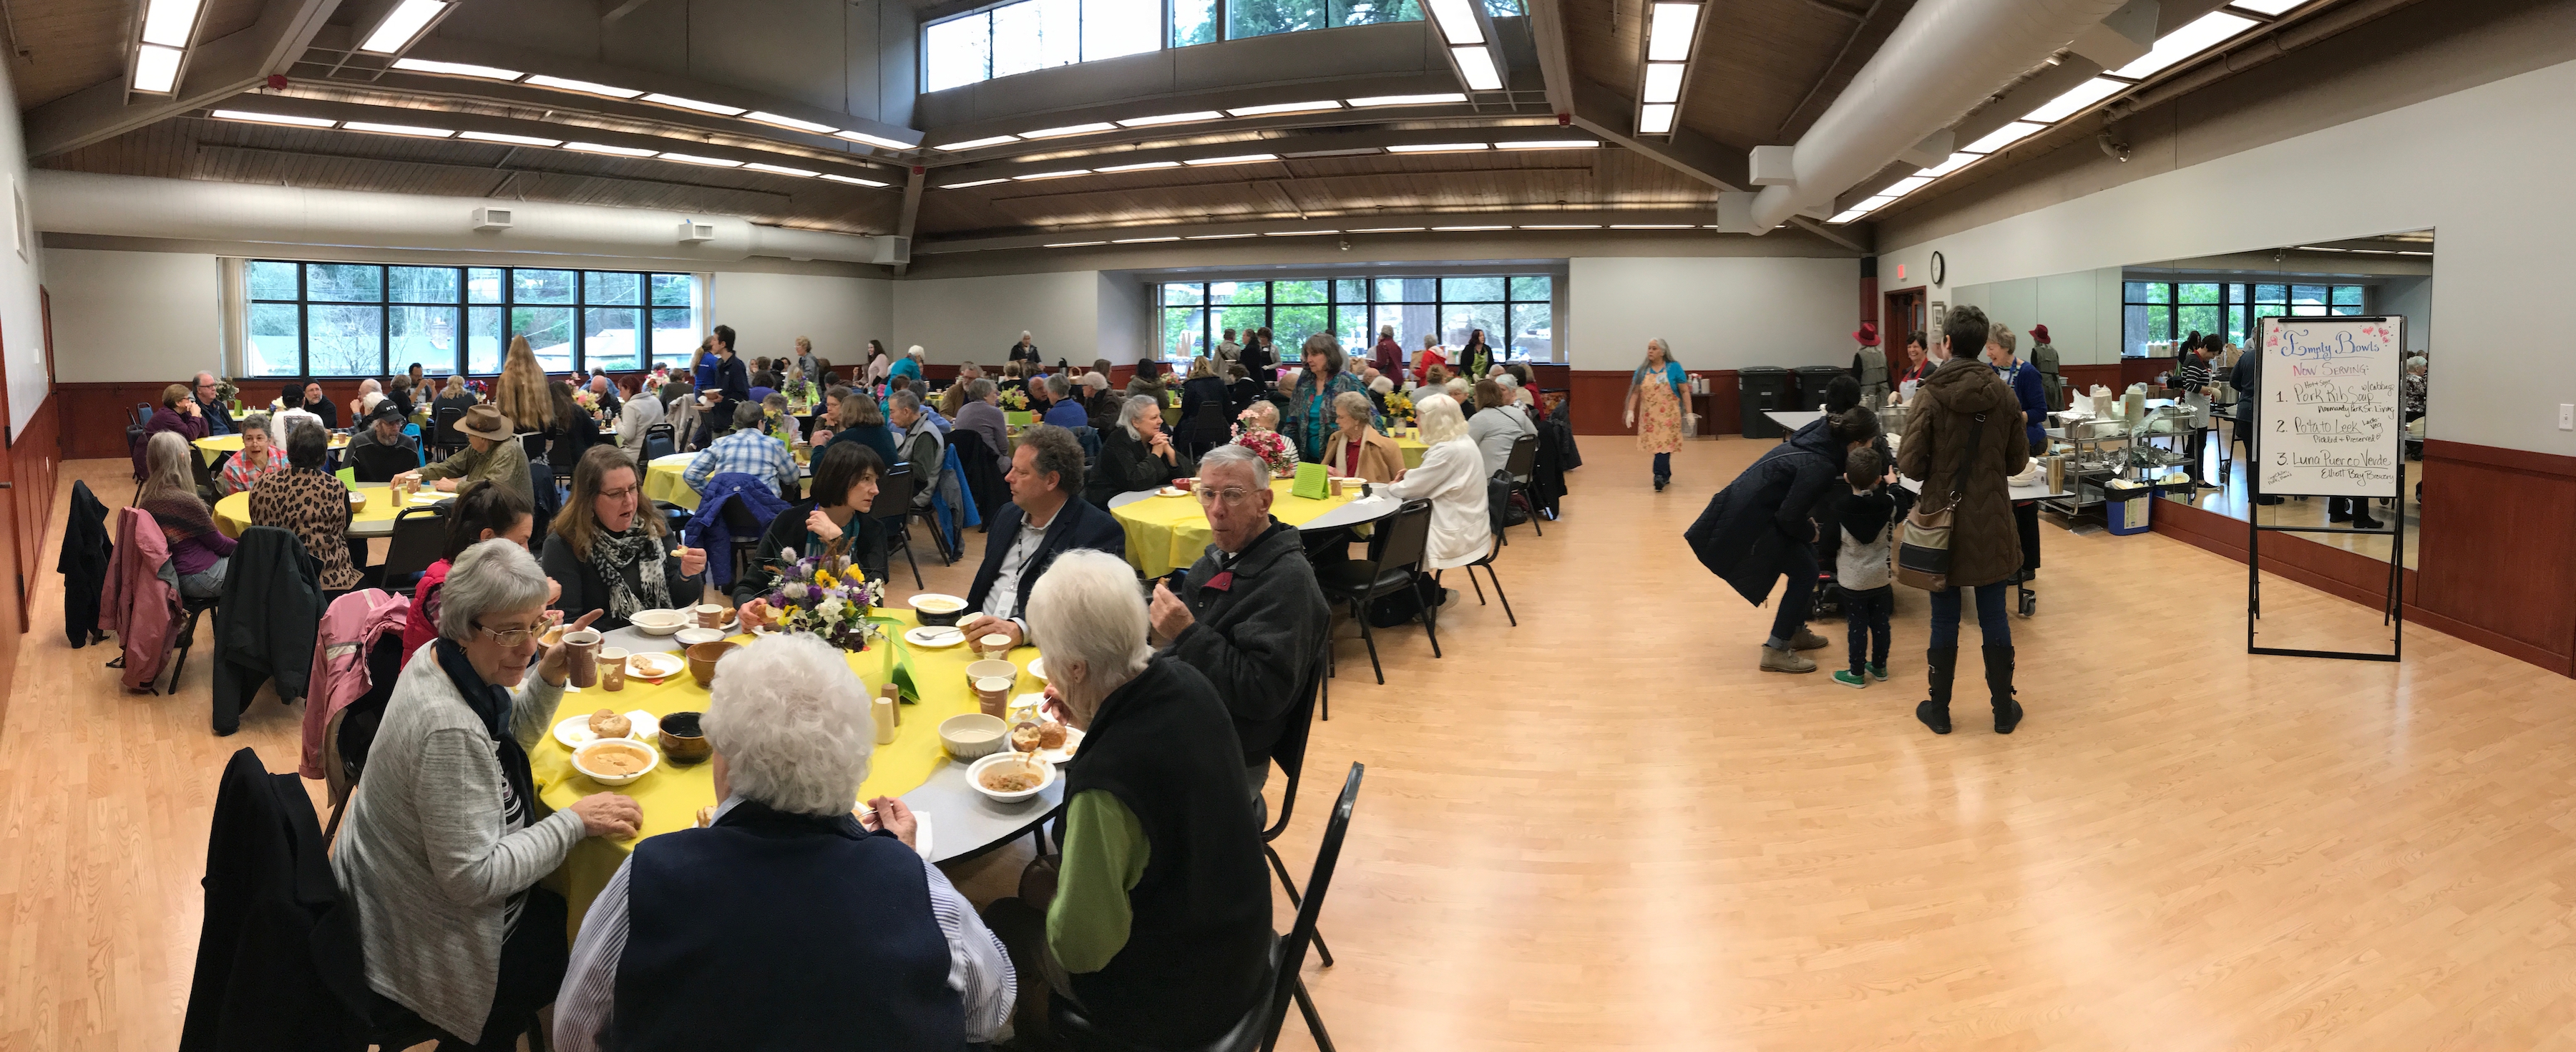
[2269,7]
[976,182]
[788,122]
[1241,158]
[1436,147]
[1476,67]
[406,21]
[1409,100]
[1140,166]
[1655,119]
[586,87]
[1457,21]
[2203,33]
[1359,151]
[974,144]
[615,151]
[398,129]
[1296,233]
[1170,118]
[691,158]
[1849,215]
[2411,252]
[2075,98]
[693,104]
[1550,144]
[1653,226]
[1076,244]
[514,140]
[458,69]
[1663,82]
[1217,237]
[156,68]
[1387,230]
[1905,186]
[1144,240]
[1053,175]
[1668,38]
[2002,137]
[1470,228]
[168,22]
[1950,164]
[273,118]
[1285,107]
[1875,203]
[1560,226]
[873,140]
[1070,129]
[853,180]
[780,169]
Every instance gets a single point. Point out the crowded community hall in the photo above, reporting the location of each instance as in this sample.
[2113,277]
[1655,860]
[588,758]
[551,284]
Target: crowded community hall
[623,525]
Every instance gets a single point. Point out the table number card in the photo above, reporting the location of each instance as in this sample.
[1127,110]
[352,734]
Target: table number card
[1313,482]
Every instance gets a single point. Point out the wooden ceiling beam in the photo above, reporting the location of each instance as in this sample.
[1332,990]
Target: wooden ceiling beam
[217,69]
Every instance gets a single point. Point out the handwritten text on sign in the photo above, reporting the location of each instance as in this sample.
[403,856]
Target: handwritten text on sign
[2330,419]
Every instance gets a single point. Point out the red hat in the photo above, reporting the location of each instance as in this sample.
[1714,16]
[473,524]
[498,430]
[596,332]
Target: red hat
[2038,334]
[1868,334]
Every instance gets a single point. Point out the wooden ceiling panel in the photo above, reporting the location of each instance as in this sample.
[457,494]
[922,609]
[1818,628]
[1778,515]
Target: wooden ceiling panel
[1757,58]
[68,45]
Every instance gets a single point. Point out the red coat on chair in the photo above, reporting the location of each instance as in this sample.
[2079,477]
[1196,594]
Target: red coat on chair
[136,601]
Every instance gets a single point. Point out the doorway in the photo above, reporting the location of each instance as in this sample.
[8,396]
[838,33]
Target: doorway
[1905,314]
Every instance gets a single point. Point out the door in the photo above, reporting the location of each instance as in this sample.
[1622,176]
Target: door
[1905,315]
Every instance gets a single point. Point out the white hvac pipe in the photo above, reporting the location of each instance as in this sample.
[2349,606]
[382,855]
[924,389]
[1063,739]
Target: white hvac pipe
[135,206]
[1947,57]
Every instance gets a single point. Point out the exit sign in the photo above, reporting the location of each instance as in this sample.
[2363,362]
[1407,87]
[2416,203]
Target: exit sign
[1900,272]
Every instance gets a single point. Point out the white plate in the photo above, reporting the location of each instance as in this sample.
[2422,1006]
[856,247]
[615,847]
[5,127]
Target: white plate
[574,731]
[655,666]
[934,637]
[1171,491]
[1037,668]
[1060,754]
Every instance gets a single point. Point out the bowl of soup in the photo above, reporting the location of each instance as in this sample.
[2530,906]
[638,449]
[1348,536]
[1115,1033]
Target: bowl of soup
[937,609]
[615,761]
[973,736]
[1010,777]
[658,622]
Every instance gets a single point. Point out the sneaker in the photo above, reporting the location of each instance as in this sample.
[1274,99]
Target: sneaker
[1775,659]
[1850,679]
[1879,671]
[1807,640]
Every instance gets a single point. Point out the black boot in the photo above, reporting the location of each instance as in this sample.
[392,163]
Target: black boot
[1938,665]
[1999,687]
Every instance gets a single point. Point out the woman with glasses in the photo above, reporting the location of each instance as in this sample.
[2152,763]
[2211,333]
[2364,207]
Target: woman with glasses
[443,847]
[1136,454]
[608,550]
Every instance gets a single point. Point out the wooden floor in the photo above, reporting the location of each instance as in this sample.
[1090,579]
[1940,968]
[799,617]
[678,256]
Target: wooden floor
[1605,829]
[2233,499]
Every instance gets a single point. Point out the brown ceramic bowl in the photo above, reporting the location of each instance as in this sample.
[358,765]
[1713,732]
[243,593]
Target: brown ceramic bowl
[703,658]
[683,741]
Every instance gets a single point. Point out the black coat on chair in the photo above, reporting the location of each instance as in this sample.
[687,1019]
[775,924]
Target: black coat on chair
[275,961]
[83,564]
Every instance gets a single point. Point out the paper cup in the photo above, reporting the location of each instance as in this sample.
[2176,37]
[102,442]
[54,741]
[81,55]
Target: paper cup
[710,615]
[583,656]
[992,645]
[993,695]
[612,668]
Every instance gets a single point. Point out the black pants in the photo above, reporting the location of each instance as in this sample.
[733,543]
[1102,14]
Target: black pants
[1798,599]
[2347,508]
[2026,522]
[533,960]
[1866,612]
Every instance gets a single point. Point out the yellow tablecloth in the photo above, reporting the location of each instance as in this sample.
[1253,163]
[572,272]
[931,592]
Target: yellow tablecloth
[1165,533]
[662,480]
[218,445]
[1412,448]
[672,794]
[232,514]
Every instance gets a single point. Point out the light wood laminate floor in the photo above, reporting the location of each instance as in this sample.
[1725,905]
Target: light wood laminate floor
[1603,829]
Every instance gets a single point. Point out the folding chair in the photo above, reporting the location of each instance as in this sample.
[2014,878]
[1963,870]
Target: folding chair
[1522,462]
[419,538]
[893,512]
[1494,515]
[1289,753]
[1361,582]
[659,441]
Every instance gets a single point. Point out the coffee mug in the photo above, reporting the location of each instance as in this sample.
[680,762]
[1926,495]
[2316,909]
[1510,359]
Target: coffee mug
[583,645]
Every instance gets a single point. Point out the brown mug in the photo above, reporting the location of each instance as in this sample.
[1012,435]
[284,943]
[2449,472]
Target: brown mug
[683,741]
[582,655]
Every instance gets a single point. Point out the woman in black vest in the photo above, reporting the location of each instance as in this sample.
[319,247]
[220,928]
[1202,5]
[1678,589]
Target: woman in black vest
[1160,779]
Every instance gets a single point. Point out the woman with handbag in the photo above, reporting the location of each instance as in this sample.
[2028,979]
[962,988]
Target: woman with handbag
[1963,437]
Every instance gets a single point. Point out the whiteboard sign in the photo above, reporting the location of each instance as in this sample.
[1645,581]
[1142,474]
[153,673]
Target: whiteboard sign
[2330,419]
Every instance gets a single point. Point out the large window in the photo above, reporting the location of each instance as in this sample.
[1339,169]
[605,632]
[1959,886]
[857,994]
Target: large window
[369,319]
[2170,311]
[1517,313]
[1038,34]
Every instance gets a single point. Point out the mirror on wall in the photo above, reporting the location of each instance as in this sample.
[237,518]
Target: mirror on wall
[2115,327]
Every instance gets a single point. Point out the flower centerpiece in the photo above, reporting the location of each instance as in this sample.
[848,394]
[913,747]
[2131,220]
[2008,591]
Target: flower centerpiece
[829,597]
[1015,399]
[1399,405]
[1272,446]
[586,399]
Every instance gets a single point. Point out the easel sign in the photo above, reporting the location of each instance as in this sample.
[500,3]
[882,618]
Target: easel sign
[2328,422]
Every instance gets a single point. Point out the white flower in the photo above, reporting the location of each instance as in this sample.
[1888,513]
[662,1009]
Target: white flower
[830,610]
[795,590]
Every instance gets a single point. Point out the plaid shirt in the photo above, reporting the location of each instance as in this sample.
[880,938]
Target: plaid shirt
[745,451]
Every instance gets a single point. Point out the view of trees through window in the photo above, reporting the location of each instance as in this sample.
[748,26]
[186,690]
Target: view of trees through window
[1517,313]
[370,319]
[1039,34]
[2164,311]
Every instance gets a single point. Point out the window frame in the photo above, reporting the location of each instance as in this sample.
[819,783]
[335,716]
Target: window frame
[464,304]
[1220,25]
[1333,303]
[2241,303]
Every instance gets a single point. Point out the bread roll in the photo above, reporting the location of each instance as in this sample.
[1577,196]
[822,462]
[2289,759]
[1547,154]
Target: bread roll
[1051,735]
[608,724]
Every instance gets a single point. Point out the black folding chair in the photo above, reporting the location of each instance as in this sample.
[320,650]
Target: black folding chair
[419,538]
[893,512]
[1360,582]
[183,639]
[746,535]
[1519,465]
[1497,492]
[660,441]
[1289,753]
[446,438]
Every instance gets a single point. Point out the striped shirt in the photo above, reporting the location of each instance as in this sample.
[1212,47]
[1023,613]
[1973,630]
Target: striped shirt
[978,968]
[2193,374]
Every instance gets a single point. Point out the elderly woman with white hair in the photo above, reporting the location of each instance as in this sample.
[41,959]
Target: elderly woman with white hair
[444,843]
[694,932]
[1158,930]
[1657,391]
[909,365]
[1137,454]
[1452,478]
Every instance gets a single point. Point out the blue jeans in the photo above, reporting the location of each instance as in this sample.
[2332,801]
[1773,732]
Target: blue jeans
[1990,616]
[1798,599]
[1663,465]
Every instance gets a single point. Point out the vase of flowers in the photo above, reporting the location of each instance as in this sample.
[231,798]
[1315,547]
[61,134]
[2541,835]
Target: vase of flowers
[829,597]
[1272,446]
[1399,405]
[1015,399]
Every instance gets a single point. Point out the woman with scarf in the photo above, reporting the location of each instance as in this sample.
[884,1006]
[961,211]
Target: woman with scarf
[1656,393]
[608,551]
[1310,421]
[442,847]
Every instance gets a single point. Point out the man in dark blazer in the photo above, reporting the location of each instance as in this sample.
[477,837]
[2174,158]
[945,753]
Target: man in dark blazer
[1044,519]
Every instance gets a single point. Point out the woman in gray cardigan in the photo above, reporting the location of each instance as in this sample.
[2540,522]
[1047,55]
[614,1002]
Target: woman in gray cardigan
[444,842]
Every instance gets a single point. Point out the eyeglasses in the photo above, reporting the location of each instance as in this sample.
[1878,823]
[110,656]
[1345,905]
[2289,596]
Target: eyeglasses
[618,494]
[512,637]
[1231,496]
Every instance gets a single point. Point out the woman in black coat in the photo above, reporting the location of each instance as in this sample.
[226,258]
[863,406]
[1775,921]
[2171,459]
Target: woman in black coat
[1763,525]
[1207,410]
[1135,454]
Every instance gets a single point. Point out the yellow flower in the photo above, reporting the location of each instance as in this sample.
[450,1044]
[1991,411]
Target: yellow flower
[824,578]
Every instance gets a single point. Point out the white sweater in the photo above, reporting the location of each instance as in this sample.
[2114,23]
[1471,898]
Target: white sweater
[1452,479]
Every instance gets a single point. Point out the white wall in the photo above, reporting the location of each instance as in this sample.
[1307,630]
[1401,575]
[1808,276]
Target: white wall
[978,319]
[133,315]
[22,326]
[1127,331]
[2412,297]
[1715,313]
[769,311]
[2484,167]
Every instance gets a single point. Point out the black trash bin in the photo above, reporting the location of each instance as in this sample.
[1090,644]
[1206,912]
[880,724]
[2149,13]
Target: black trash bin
[1764,389]
[1811,384]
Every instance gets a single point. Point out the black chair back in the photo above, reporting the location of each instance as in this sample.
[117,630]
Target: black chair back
[1290,751]
[446,436]
[660,441]
[1301,936]
[1406,537]
[1524,458]
[894,495]
[373,463]
[1498,505]
[142,413]
[419,538]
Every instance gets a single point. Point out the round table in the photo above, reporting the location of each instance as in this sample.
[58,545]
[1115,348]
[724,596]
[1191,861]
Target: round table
[662,479]
[961,822]
[1412,449]
[214,446]
[1167,533]
[232,514]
